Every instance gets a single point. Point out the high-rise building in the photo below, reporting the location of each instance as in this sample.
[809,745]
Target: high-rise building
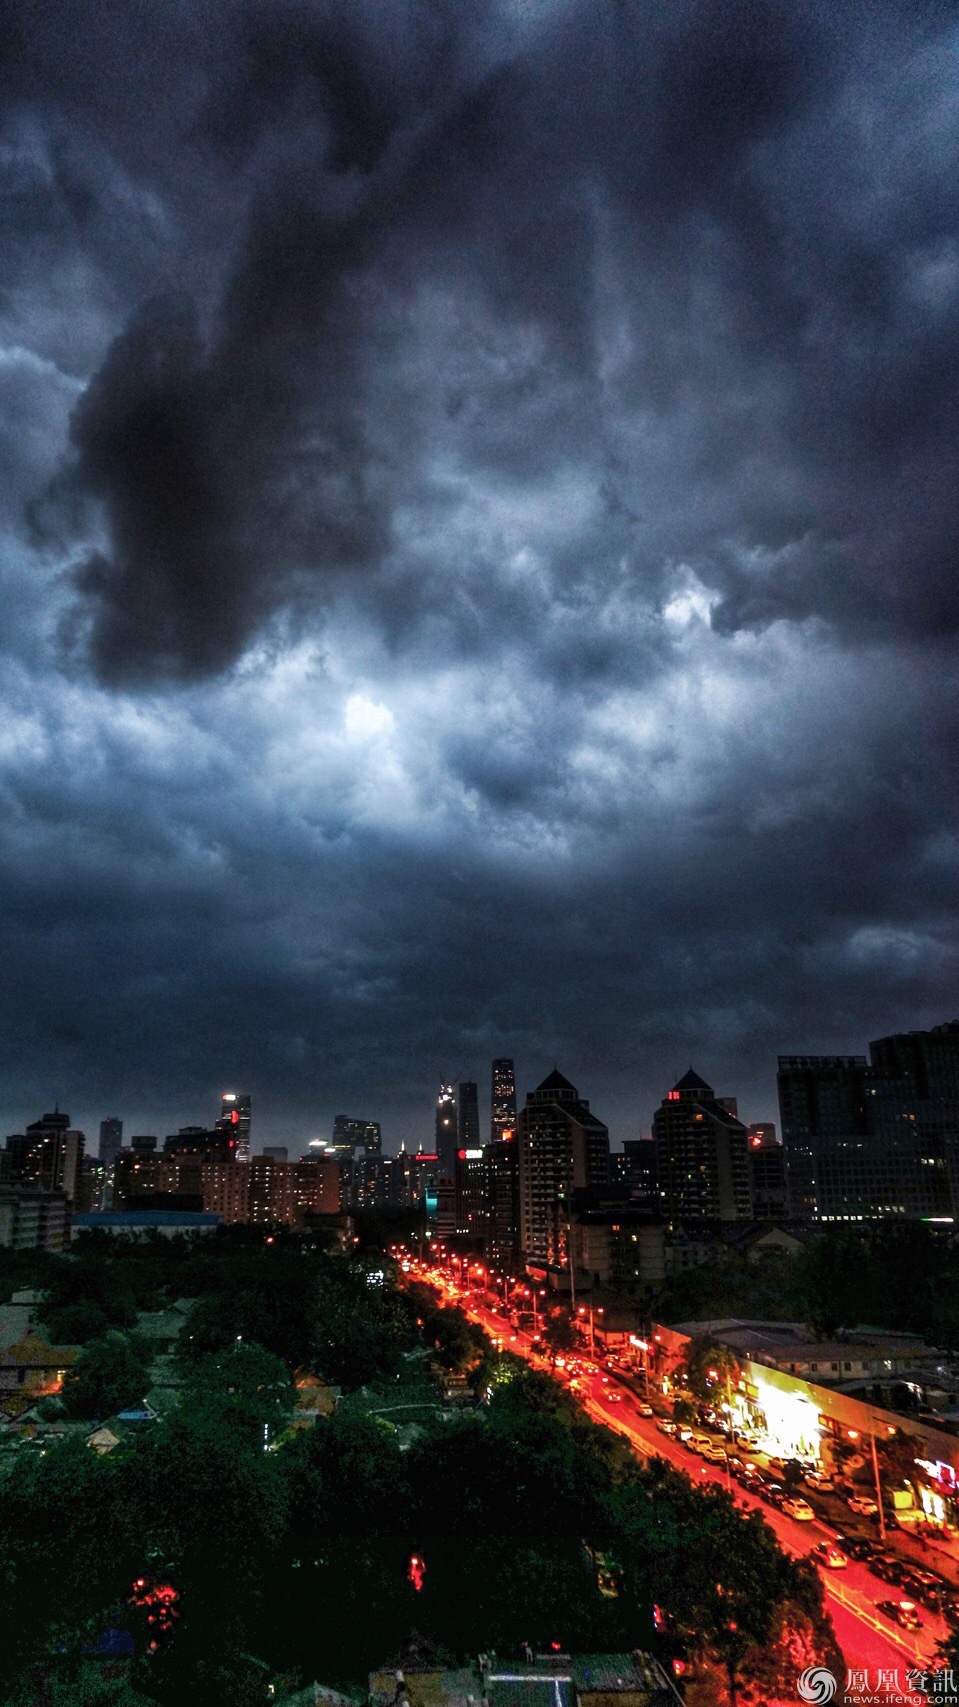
[767,1172]
[502,1098]
[876,1138]
[501,1195]
[48,1154]
[235,1112]
[446,1130]
[358,1134]
[467,1115]
[91,1184]
[702,1155]
[111,1138]
[143,1142]
[562,1148]
[276,1152]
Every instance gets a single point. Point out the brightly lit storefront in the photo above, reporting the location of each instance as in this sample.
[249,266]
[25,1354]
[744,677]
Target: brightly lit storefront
[787,1422]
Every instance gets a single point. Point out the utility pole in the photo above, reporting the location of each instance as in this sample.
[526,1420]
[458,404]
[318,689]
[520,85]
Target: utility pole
[875,1471]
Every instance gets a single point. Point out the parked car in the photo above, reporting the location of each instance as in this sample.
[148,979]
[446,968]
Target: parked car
[714,1452]
[799,1509]
[828,1554]
[902,1612]
[684,1433]
[856,1546]
[816,1480]
[698,1442]
[665,1426]
[888,1568]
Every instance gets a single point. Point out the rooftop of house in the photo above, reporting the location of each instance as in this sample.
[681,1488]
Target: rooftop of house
[793,1341]
[546,1680]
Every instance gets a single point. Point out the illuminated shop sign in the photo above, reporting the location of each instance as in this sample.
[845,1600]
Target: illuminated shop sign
[939,1471]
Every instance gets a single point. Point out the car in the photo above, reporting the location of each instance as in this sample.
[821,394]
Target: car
[684,1433]
[817,1481]
[828,1554]
[774,1493]
[714,1452]
[902,1612]
[613,1397]
[857,1547]
[748,1442]
[698,1442]
[862,1504]
[799,1509]
[665,1426]
[644,1409]
[888,1568]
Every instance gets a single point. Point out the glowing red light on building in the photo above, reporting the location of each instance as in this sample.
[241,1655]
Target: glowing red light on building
[416,1574]
[672,1096]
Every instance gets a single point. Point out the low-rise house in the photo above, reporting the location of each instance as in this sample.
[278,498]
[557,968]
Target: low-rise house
[32,1366]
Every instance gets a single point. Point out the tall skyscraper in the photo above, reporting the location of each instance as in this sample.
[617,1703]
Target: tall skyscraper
[562,1148]
[49,1154]
[767,1172]
[360,1135]
[111,1138]
[446,1130]
[235,1112]
[874,1138]
[636,1169]
[702,1155]
[502,1099]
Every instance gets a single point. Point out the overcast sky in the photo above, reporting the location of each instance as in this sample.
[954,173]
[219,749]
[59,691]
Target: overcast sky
[478,573]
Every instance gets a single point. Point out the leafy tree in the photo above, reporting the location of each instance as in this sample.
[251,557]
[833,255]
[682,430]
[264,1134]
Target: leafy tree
[245,1385]
[707,1367]
[109,1375]
[75,1324]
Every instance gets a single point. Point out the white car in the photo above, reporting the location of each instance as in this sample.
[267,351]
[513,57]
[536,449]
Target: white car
[799,1509]
[665,1426]
[645,1410]
[865,1506]
[714,1452]
[699,1443]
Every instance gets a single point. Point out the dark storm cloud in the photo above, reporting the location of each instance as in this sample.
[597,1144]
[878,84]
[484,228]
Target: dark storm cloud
[779,219]
[488,578]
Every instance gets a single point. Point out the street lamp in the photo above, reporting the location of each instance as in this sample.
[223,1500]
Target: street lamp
[854,1435]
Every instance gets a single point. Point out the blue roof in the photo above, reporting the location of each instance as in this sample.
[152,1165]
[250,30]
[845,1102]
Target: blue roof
[90,1218]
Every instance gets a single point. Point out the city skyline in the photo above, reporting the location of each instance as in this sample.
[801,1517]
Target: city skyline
[475,548]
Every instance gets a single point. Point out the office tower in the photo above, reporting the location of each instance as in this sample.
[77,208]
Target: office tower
[702,1155]
[446,1130]
[502,1099]
[501,1193]
[467,1115]
[235,1114]
[767,1173]
[48,1155]
[350,1130]
[562,1148]
[276,1152]
[111,1138]
[877,1137]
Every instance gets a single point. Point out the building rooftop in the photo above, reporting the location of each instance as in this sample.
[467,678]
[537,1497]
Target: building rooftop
[555,1081]
[88,1219]
[692,1082]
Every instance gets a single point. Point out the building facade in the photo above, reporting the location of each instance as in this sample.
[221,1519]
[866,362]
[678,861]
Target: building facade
[235,1119]
[562,1147]
[876,1138]
[702,1155]
[502,1098]
[49,1155]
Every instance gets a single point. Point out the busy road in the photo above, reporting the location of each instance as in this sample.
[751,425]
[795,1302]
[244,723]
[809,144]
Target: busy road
[867,1629]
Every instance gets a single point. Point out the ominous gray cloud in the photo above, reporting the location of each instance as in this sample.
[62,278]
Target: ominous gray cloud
[479,507]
